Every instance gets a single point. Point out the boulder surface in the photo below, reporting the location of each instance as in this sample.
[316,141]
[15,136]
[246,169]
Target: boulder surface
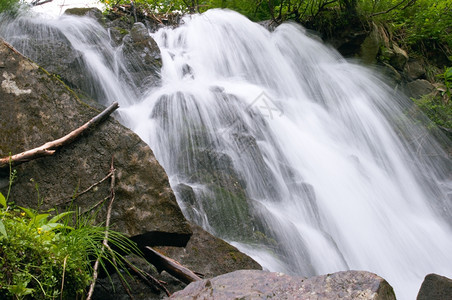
[435,287]
[253,284]
[36,108]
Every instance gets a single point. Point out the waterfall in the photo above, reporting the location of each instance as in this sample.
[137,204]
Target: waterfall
[309,163]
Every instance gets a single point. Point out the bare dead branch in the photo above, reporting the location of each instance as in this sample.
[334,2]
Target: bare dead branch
[171,266]
[105,241]
[49,148]
[394,7]
[12,48]
[39,2]
[73,197]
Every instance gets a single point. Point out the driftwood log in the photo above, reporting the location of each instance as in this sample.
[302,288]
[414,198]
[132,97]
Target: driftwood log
[171,266]
[50,147]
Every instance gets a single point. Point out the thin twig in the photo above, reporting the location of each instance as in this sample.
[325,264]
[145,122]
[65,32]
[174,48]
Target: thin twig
[95,205]
[107,225]
[392,8]
[60,202]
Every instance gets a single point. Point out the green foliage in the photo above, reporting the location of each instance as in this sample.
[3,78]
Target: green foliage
[436,109]
[42,257]
[447,78]
[9,5]
[429,23]
[422,25]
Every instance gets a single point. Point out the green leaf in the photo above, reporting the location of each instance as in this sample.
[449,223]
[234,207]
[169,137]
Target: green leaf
[3,200]
[29,212]
[52,226]
[58,217]
[20,290]
[448,74]
[2,229]
[40,219]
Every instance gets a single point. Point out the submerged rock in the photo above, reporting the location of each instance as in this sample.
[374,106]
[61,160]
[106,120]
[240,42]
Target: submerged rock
[265,285]
[141,56]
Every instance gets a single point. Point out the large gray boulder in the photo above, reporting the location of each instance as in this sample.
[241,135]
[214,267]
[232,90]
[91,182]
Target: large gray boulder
[252,284]
[36,108]
[435,287]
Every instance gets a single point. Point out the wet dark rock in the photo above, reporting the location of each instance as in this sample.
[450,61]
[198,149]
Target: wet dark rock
[435,287]
[91,12]
[37,108]
[142,56]
[265,285]
[418,88]
[390,72]
[398,57]
[370,47]
[414,69]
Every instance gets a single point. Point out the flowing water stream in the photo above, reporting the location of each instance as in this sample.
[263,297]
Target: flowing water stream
[307,162]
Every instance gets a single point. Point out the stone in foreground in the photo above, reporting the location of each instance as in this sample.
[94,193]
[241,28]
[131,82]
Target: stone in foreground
[435,287]
[253,284]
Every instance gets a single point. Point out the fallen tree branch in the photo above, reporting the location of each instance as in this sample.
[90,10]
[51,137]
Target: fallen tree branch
[39,2]
[171,266]
[49,148]
[12,48]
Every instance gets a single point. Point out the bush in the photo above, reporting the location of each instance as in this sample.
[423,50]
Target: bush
[42,257]
[7,5]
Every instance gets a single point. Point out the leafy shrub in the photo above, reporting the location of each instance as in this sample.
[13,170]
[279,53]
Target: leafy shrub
[42,257]
[8,5]
[436,109]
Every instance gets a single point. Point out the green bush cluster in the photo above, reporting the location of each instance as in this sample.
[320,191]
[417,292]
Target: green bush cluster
[43,257]
[8,5]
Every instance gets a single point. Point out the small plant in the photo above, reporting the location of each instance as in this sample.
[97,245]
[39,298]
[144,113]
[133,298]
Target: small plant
[447,78]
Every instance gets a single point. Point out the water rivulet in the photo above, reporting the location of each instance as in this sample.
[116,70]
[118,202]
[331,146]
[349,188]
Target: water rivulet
[274,142]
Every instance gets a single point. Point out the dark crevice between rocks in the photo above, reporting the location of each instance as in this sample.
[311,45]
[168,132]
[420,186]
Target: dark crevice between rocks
[160,238]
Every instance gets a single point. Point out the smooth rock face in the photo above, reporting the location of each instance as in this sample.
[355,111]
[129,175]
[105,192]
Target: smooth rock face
[36,108]
[250,284]
[435,287]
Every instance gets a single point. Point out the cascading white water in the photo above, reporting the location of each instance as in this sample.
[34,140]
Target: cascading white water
[305,161]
